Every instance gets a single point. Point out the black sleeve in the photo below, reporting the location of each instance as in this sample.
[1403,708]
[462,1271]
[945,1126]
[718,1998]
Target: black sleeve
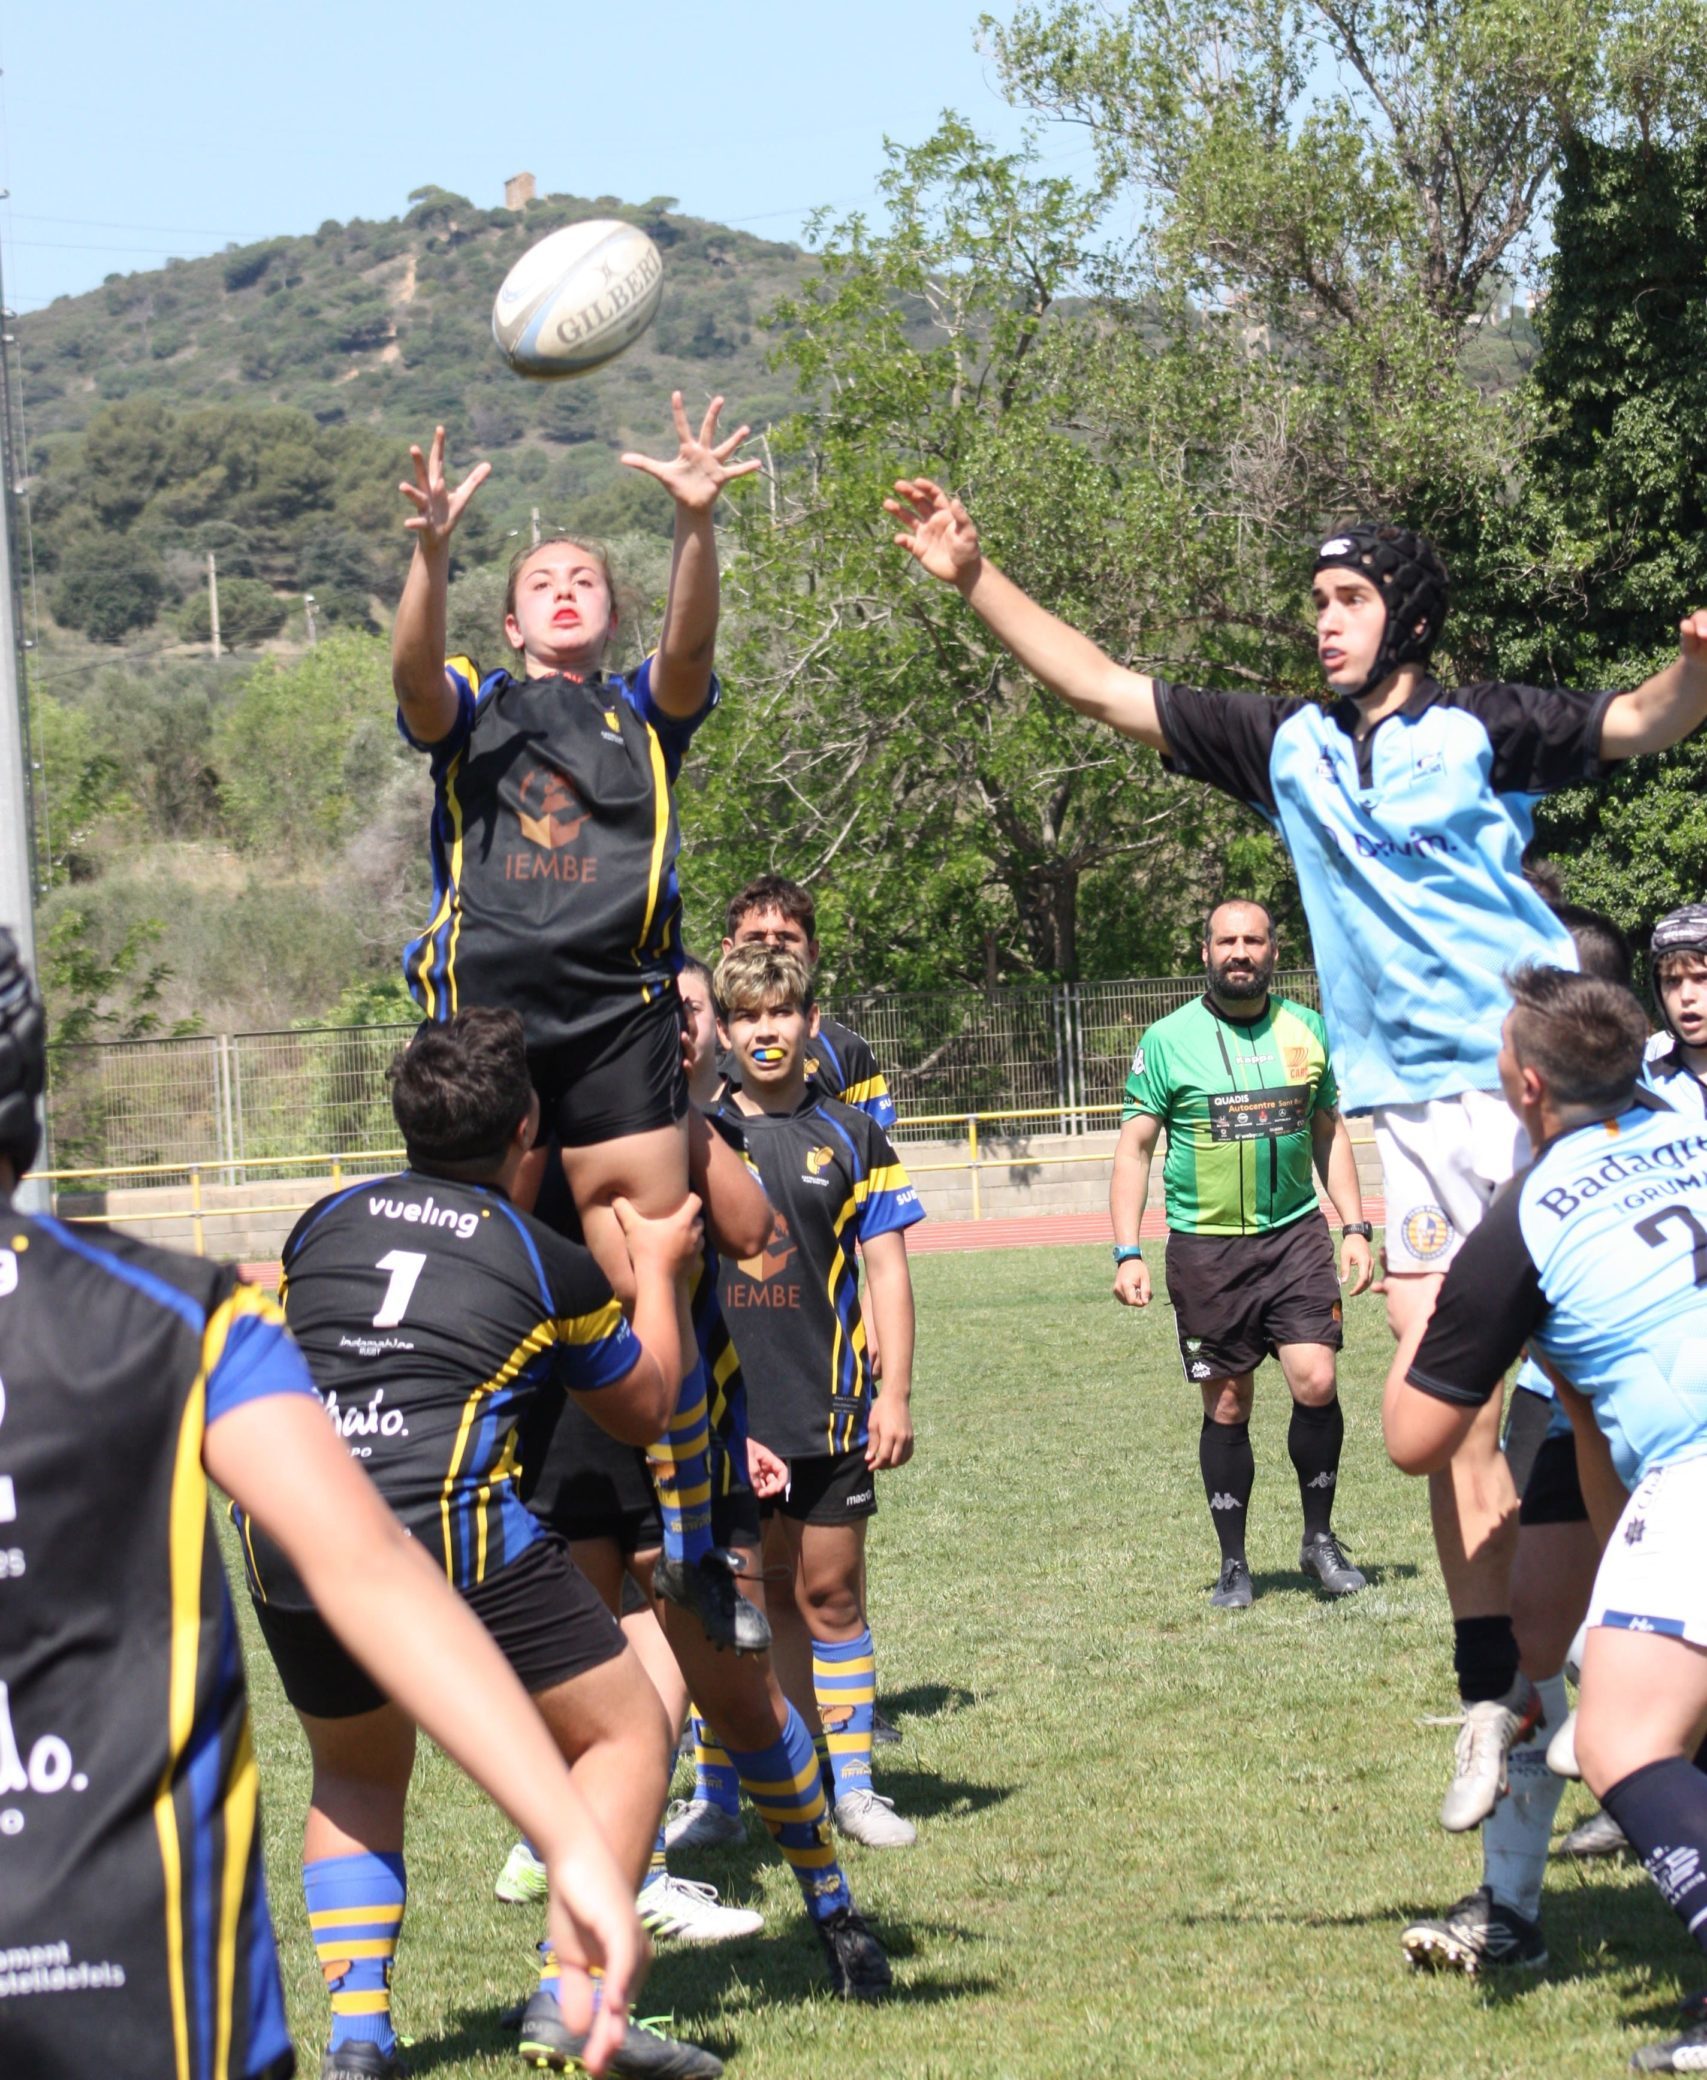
[1490,1303]
[1224,738]
[1544,737]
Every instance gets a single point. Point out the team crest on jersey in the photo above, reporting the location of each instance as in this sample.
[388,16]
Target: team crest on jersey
[548,811]
[1297,1064]
[1427,1232]
[1138,1061]
[819,1159]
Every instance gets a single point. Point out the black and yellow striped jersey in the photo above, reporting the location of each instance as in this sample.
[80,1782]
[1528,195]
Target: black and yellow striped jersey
[793,1310]
[134,1935]
[554,843]
[431,1312]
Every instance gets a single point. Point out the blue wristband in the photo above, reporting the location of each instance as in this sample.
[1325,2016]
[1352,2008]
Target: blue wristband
[1128,1253]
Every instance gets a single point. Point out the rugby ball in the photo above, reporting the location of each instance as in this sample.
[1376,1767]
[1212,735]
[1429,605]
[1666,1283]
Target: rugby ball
[577,299]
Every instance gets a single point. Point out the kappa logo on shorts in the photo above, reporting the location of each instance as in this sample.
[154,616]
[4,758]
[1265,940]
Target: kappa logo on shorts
[1427,1232]
[1197,1369]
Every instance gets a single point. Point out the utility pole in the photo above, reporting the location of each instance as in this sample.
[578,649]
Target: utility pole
[17,822]
[213,601]
[536,527]
[308,609]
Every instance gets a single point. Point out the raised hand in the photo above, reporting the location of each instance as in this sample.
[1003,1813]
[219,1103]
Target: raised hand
[1692,636]
[696,474]
[437,507]
[938,531]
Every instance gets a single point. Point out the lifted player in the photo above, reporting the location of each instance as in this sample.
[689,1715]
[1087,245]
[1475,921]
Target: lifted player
[1406,807]
[794,1312]
[1596,1256]
[1241,1081]
[133,1872]
[554,843]
[431,1312]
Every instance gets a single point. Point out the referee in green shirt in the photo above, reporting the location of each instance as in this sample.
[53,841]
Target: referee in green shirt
[1241,1080]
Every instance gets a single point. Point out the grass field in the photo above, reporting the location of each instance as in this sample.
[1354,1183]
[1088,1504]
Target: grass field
[1155,1838]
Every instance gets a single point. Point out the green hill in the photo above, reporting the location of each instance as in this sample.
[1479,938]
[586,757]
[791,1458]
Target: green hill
[259,403]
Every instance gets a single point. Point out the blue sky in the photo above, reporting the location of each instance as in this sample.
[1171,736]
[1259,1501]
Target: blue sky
[130,133]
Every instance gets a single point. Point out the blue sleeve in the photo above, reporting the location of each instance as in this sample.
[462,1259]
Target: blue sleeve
[248,1355]
[675,733]
[465,674]
[885,1199]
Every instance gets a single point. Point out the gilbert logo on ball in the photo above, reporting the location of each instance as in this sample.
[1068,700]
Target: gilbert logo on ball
[577,299]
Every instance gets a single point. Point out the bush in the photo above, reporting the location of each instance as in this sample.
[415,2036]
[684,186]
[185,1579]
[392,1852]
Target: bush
[107,588]
[249,612]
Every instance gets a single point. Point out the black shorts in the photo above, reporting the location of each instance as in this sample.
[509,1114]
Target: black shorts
[541,1610]
[627,1079]
[1236,1298]
[735,1518]
[832,1488]
[1553,1494]
[591,1485]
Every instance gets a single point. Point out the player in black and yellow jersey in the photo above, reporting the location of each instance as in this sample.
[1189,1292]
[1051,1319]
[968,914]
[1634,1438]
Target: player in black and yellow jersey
[554,842]
[794,1311]
[598,1495]
[134,1932]
[773,911]
[430,1311]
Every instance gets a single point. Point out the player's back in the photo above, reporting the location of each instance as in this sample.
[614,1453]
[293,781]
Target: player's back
[132,1915]
[1614,1217]
[430,1310]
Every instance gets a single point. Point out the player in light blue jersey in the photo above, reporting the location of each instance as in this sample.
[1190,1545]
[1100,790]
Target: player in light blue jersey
[1676,1065]
[1406,806]
[1596,1257]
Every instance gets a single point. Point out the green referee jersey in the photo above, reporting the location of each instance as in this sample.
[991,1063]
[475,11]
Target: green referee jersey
[1237,1097]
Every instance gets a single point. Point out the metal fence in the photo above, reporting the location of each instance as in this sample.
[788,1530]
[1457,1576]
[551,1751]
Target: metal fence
[242,1099]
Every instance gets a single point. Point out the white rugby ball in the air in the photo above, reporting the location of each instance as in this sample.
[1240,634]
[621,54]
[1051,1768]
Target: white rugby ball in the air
[577,299]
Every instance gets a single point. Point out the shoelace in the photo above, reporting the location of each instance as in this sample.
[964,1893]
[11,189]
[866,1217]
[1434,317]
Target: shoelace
[684,1888]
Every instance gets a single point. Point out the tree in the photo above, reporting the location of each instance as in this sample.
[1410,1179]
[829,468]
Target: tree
[108,587]
[249,612]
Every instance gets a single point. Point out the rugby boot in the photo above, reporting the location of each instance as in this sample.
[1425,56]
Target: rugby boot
[859,1966]
[869,1817]
[706,1590]
[1491,1729]
[1686,2053]
[1321,1556]
[361,2060]
[523,1881]
[672,1906]
[1598,1835]
[549,2045]
[1478,1934]
[1233,1591]
[884,1732]
[699,1823]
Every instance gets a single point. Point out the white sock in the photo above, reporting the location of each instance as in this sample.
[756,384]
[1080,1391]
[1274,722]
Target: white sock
[1518,1833]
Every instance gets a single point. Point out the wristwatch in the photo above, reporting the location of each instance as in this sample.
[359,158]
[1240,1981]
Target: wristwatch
[1362,1228]
[1128,1253]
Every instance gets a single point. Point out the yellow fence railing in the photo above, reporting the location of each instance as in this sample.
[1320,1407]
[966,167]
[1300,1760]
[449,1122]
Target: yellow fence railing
[192,1183]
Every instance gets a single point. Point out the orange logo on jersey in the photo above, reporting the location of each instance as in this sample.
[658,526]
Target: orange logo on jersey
[773,1259]
[819,1159]
[547,810]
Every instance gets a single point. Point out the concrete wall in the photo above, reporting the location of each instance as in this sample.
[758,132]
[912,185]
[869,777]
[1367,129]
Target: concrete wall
[1018,1175]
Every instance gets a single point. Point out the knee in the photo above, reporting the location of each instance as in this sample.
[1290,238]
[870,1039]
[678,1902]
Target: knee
[1315,1385]
[832,1610]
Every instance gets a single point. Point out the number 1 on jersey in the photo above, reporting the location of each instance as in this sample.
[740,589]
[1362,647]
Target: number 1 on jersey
[405,1267]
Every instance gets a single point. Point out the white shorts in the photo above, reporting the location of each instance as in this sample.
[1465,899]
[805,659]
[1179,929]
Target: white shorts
[1653,1574]
[1441,1164]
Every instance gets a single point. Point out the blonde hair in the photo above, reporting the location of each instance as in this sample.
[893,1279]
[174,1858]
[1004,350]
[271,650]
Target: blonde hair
[752,979]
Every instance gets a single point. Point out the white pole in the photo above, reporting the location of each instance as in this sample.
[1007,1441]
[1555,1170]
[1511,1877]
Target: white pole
[213,600]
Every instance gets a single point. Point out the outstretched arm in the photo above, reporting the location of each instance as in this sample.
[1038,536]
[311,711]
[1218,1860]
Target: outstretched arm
[1665,709]
[938,533]
[694,478]
[424,693]
[281,1463]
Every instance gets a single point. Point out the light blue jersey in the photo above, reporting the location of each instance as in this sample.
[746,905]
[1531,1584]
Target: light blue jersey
[1408,843]
[1597,1255]
[1669,1076]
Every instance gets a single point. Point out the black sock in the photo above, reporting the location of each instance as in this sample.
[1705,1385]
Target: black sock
[1314,1440]
[1484,1652]
[1229,1473]
[1662,1809]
